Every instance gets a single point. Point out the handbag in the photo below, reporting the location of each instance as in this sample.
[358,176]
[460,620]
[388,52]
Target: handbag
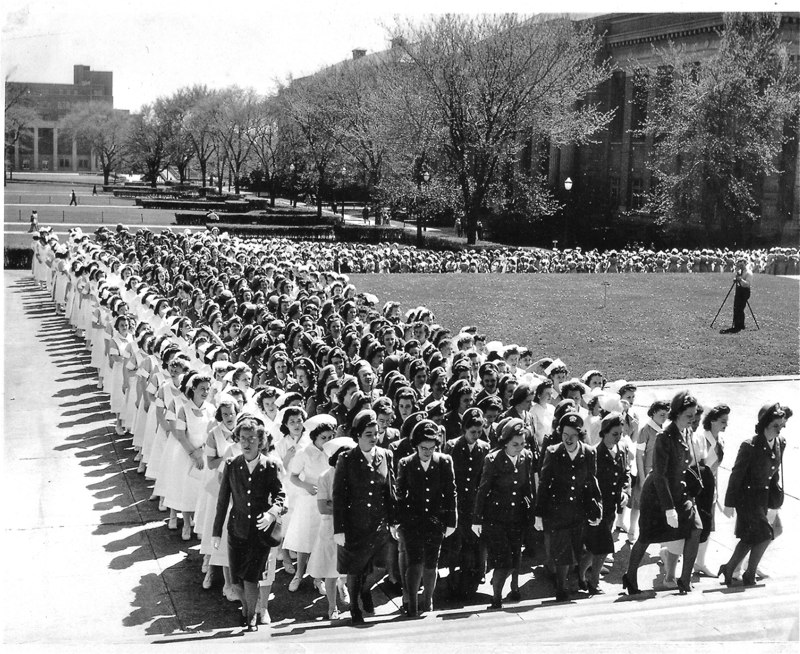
[274,533]
[691,476]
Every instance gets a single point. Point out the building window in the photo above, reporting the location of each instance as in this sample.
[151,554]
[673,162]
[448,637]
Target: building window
[613,188]
[26,164]
[637,193]
[639,103]
[64,162]
[83,163]
[617,103]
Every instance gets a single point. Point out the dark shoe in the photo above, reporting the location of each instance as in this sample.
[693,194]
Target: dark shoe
[496,604]
[562,596]
[684,587]
[630,586]
[356,617]
[366,602]
[514,595]
[727,576]
[747,580]
[594,590]
[393,587]
[252,627]
[582,585]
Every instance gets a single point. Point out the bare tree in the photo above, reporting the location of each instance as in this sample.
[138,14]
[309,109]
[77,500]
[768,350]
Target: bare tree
[104,128]
[19,115]
[147,143]
[234,122]
[200,124]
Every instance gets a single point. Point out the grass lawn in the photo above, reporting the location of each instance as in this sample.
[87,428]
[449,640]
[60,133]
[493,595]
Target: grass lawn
[652,327]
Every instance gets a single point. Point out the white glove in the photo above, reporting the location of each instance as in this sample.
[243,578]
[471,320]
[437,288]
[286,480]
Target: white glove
[215,542]
[771,515]
[728,511]
[449,531]
[538,525]
[624,501]
[339,539]
[594,523]
[672,518]
[477,529]
[394,533]
[264,521]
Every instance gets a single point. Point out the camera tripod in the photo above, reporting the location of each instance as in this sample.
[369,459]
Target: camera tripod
[723,304]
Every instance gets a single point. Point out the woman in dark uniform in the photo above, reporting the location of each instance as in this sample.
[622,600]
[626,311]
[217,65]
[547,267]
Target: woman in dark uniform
[363,509]
[463,549]
[667,509]
[613,480]
[567,497]
[251,483]
[755,491]
[426,512]
[503,505]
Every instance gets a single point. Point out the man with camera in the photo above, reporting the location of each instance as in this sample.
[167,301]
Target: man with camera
[743,281]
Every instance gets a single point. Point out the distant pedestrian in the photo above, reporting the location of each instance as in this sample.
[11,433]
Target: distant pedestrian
[34,222]
[94,189]
[365,214]
[212,217]
[479,229]
[458,226]
[73,199]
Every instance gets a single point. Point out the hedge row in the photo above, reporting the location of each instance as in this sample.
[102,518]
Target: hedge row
[255,218]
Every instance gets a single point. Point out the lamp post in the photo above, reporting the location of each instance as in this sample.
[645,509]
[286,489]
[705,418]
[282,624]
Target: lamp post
[292,201]
[426,178]
[344,172]
[567,188]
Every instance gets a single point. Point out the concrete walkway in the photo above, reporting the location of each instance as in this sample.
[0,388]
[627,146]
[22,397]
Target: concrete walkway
[90,563]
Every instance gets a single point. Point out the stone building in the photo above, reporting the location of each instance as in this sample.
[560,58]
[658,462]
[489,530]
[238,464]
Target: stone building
[42,146]
[615,168]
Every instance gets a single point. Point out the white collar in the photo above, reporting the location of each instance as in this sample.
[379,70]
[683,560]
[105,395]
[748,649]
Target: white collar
[653,425]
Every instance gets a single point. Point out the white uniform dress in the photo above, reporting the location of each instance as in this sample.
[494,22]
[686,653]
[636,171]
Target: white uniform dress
[322,562]
[166,400]
[309,463]
[182,478]
[118,347]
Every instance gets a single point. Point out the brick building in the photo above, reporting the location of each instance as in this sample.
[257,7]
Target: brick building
[615,168]
[42,146]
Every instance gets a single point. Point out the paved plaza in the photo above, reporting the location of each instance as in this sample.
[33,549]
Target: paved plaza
[90,561]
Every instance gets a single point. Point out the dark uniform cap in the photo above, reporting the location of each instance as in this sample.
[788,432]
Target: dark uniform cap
[363,419]
[490,402]
[410,422]
[425,430]
[571,420]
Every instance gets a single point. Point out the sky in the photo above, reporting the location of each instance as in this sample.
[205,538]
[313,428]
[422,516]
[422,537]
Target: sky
[156,47]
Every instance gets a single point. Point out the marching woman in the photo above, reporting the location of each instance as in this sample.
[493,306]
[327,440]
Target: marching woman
[183,457]
[463,549]
[119,352]
[251,485]
[568,497]
[305,469]
[363,509]
[503,504]
[612,479]
[755,491]
[322,562]
[708,448]
[667,511]
[426,512]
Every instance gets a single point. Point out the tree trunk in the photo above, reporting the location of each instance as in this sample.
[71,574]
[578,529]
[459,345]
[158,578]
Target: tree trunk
[203,172]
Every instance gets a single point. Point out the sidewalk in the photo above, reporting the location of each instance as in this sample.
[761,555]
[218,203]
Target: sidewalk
[90,563]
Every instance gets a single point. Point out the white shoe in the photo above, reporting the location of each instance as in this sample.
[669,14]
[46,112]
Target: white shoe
[320,586]
[294,584]
[227,591]
[138,457]
[208,579]
[264,617]
[333,614]
[186,534]
[161,506]
[702,569]
[142,467]
[172,524]
[288,567]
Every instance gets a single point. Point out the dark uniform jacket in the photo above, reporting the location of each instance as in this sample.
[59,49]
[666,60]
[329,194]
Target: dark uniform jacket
[363,494]
[612,477]
[506,492]
[390,436]
[467,466]
[252,494]
[670,461]
[426,498]
[530,439]
[400,449]
[452,424]
[755,478]
[568,493]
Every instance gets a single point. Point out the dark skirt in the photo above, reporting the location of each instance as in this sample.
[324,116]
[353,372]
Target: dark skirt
[503,544]
[362,555]
[566,545]
[653,527]
[247,558]
[752,526]
[600,539]
[705,502]
[463,549]
[420,545]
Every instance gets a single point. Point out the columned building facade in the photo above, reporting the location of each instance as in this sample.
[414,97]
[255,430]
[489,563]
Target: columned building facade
[43,146]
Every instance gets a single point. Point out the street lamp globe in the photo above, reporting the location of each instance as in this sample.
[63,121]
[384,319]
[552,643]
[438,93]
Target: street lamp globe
[568,183]
[426,177]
